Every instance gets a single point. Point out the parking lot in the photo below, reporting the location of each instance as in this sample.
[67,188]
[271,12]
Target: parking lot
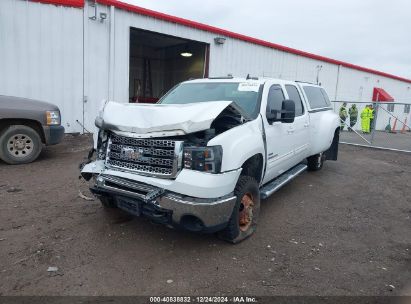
[399,141]
[344,230]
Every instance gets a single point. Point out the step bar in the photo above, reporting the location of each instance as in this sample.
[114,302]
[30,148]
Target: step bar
[282,180]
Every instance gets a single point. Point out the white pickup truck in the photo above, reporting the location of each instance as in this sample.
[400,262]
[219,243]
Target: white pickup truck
[204,156]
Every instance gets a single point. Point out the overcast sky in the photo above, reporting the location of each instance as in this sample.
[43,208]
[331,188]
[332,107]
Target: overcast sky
[371,33]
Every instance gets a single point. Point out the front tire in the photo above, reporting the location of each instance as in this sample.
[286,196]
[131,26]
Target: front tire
[19,144]
[243,221]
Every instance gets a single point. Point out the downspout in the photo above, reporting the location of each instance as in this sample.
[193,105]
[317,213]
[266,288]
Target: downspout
[84,69]
[111,55]
[206,61]
[337,84]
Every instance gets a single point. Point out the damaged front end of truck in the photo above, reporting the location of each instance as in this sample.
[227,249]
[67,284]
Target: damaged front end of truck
[156,161]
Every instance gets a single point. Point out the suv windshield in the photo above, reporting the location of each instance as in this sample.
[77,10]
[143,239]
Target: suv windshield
[244,94]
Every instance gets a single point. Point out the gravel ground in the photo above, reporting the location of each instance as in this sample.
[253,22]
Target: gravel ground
[342,231]
[400,141]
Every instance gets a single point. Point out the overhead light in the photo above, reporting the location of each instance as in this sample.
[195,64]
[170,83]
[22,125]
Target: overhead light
[103,16]
[186,52]
[219,40]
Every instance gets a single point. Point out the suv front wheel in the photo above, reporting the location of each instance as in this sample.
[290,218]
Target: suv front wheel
[19,144]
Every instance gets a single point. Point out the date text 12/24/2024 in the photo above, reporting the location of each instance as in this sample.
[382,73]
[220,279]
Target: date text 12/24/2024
[204,299]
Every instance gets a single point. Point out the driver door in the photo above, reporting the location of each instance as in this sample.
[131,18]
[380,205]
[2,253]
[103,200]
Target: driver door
[280,147]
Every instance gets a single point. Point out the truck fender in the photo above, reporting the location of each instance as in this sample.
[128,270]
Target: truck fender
[240,144]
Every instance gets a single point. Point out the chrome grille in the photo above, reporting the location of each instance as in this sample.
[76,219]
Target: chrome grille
[154,157]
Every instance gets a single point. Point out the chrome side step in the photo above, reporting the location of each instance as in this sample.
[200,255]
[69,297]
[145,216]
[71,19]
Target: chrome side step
[280,181]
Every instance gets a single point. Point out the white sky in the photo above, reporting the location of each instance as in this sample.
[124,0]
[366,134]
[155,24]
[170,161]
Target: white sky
[371,33]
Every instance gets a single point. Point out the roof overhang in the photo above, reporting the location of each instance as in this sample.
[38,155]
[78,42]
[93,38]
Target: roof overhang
[379,94]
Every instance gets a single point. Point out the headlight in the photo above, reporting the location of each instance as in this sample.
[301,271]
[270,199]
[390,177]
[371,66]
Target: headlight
[53,118]
[102,144]
[207,159]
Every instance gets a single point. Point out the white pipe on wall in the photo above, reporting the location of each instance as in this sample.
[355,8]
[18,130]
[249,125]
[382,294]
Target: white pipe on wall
[111,54]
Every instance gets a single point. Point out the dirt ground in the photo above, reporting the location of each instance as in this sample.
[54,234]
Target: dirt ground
[342,231]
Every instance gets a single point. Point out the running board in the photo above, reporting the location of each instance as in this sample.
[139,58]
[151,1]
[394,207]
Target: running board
[280,181]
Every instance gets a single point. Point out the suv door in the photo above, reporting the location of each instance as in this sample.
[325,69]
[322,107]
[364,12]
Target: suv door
[278,137]
[300,130]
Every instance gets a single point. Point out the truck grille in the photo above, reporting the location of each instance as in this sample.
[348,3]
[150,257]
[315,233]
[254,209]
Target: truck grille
[154,157]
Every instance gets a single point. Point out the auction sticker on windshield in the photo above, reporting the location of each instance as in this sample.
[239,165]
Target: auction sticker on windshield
[248,86]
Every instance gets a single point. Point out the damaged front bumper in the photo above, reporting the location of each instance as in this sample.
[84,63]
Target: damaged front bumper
[162,204]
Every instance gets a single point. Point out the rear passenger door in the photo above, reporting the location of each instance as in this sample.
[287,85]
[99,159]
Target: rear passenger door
[300,129]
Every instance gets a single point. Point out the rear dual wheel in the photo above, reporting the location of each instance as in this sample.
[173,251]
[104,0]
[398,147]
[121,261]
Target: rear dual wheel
[243,221]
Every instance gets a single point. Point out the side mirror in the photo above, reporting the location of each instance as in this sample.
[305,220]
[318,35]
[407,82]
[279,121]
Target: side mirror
[288,111]
[272,115]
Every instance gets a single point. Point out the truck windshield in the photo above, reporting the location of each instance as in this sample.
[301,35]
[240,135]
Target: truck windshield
[244,94]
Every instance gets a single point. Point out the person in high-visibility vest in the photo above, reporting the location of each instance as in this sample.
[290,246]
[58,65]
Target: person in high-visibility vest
[343,115]
[366,115]
[353,111]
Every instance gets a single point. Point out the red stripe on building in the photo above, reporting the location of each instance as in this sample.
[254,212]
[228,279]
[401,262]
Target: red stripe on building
[70,3]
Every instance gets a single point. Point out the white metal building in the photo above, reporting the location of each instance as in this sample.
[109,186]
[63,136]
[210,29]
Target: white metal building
[75,53]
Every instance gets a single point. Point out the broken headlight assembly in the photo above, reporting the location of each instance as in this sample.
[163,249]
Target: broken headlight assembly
[206,159]
[102,141]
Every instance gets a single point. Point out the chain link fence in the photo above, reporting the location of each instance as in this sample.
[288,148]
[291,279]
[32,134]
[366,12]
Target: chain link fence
[375,124]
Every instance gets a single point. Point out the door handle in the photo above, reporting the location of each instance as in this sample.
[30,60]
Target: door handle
[290,131]
[306,125]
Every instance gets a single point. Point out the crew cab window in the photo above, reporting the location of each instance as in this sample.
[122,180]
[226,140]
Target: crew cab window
[294,95]
[317,97]
[275,98]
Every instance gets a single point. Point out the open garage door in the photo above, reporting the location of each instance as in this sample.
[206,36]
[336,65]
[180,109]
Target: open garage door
[158,62]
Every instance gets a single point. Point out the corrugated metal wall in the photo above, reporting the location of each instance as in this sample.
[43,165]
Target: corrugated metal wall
[97,74]
[41,56]
[41,53]
[234,57]
[240,58]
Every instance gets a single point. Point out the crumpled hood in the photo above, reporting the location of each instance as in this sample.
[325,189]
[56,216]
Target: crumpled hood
[148,118]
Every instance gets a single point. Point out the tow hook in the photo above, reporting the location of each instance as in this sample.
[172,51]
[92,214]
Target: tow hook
[151,196]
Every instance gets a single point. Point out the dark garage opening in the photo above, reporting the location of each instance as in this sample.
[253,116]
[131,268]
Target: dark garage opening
[158,62]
